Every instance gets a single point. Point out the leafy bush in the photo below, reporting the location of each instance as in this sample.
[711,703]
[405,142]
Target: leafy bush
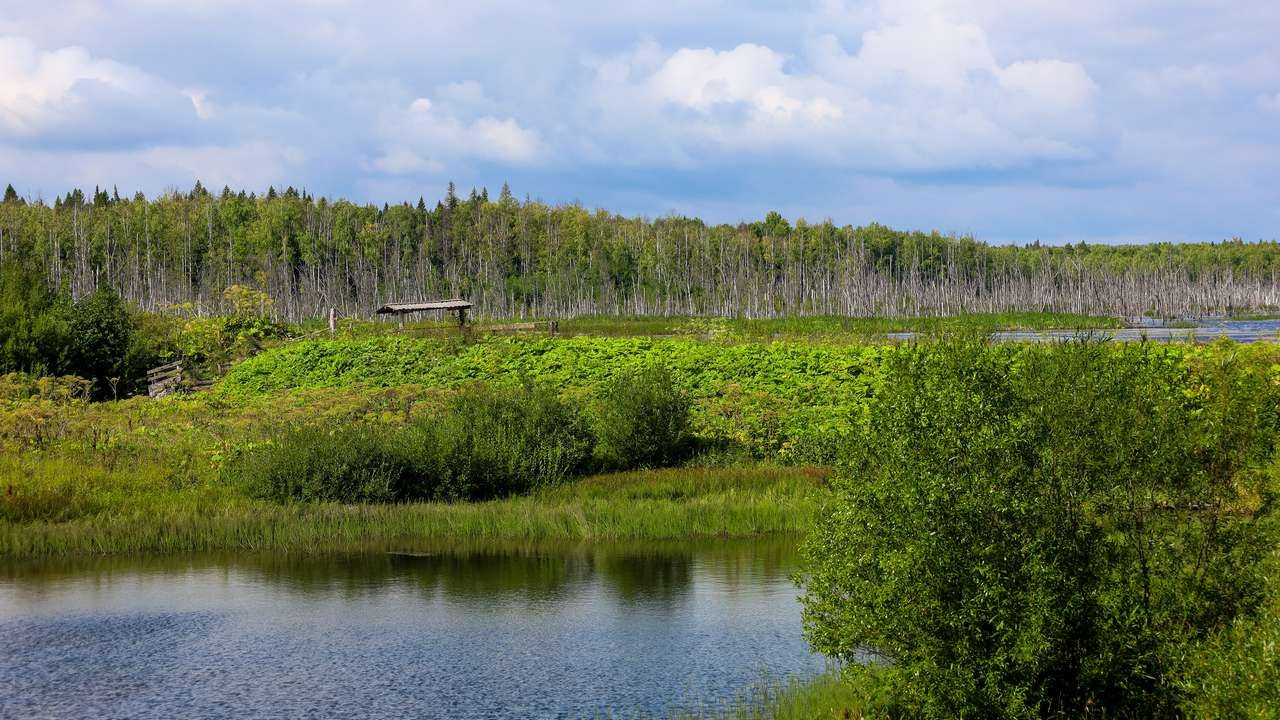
[494,441]
[33,324]
[1026,532]
[348,464]
[643,420]
[106,346]
[1236,672]
[488,442]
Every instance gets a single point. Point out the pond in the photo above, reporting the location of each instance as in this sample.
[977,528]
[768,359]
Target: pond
[478,633]
[1200,330]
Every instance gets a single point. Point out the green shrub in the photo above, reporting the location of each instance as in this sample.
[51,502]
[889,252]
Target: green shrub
[1027,532]
[100,337]
[487,442]
[643,420]
[494,441]
[34,323]
[1236,672]
[344,464]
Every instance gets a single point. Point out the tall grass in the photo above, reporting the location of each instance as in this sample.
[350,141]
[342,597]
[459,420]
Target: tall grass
[651,505]
[824,696]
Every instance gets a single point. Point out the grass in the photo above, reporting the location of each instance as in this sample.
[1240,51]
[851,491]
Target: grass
[646,505]
[824,696]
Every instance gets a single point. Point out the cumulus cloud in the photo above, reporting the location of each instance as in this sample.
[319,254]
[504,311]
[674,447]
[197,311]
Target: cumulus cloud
[67,96]
[925,93]
[424,136]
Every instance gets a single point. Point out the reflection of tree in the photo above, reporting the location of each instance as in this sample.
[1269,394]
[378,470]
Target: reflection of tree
[635,572]
[745,564]
[663,578]
[531,576]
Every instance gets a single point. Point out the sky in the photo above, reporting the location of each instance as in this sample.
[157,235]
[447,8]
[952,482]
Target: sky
[1051,120]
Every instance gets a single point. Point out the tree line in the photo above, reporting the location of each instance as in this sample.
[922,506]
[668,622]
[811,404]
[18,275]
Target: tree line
[516,258]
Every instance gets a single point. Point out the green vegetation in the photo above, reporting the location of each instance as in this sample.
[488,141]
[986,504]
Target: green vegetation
[642,420]
[1047,531]
[487,442]
[789,401]
[1022,529]
[652,505]
[530,259]
[827,328]
[94,338]
[826,696]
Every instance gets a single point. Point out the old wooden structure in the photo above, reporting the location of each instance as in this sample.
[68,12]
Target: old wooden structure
[173,377]
[401,309]
[164,380]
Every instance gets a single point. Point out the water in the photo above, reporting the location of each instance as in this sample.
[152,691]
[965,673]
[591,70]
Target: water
[1203,330]
[568,632]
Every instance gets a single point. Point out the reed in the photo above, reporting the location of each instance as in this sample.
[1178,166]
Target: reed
[823,696]
[647,505]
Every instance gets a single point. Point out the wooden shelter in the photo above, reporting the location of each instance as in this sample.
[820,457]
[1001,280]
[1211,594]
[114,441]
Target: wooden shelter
[401,309]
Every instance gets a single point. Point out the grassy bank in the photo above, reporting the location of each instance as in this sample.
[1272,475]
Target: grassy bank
[644,505]
[824,696]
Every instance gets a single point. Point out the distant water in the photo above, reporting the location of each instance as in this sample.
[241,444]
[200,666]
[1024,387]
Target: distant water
[576,632]
[1203,330]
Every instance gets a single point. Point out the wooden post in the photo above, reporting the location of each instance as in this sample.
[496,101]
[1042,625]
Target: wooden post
[333,322]
[462,317]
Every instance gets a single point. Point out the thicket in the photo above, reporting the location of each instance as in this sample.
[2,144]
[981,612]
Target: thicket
[485,442]
[1047,531]
[96,337]
[515,258]
[643,420]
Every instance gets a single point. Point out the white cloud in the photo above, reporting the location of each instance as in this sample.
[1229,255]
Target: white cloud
[69,96]
[424,136]
[921,94]
[40,87]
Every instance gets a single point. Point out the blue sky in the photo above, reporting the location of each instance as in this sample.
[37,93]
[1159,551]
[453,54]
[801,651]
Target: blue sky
[1057,120]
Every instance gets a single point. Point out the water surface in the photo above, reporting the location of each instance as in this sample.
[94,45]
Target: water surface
[563,632]
[1197,331]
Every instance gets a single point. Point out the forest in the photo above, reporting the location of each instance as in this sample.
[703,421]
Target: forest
[515,259]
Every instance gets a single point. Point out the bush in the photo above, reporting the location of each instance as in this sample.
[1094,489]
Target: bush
[34,324]
[100,338]
[1025,532]
[643,421]
[486,443]
[490,442]
[347,464]
[1236,672]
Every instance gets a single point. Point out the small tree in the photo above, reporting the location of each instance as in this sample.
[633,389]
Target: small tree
[1042,531]
[100,337]
[643,420]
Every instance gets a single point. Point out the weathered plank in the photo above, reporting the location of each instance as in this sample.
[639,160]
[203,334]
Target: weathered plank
[408,307]
[175,365]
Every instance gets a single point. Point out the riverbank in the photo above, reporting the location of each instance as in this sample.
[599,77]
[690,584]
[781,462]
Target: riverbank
[654,505]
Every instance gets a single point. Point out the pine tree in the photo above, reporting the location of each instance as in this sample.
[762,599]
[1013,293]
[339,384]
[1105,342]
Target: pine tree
[11,195]
[451,197]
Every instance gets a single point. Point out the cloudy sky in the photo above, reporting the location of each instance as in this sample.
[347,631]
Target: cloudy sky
[1058,120]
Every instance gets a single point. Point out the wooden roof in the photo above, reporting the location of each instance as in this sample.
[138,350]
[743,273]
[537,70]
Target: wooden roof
[420,306]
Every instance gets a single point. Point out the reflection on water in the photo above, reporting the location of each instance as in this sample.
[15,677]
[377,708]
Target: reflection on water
[486,632]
